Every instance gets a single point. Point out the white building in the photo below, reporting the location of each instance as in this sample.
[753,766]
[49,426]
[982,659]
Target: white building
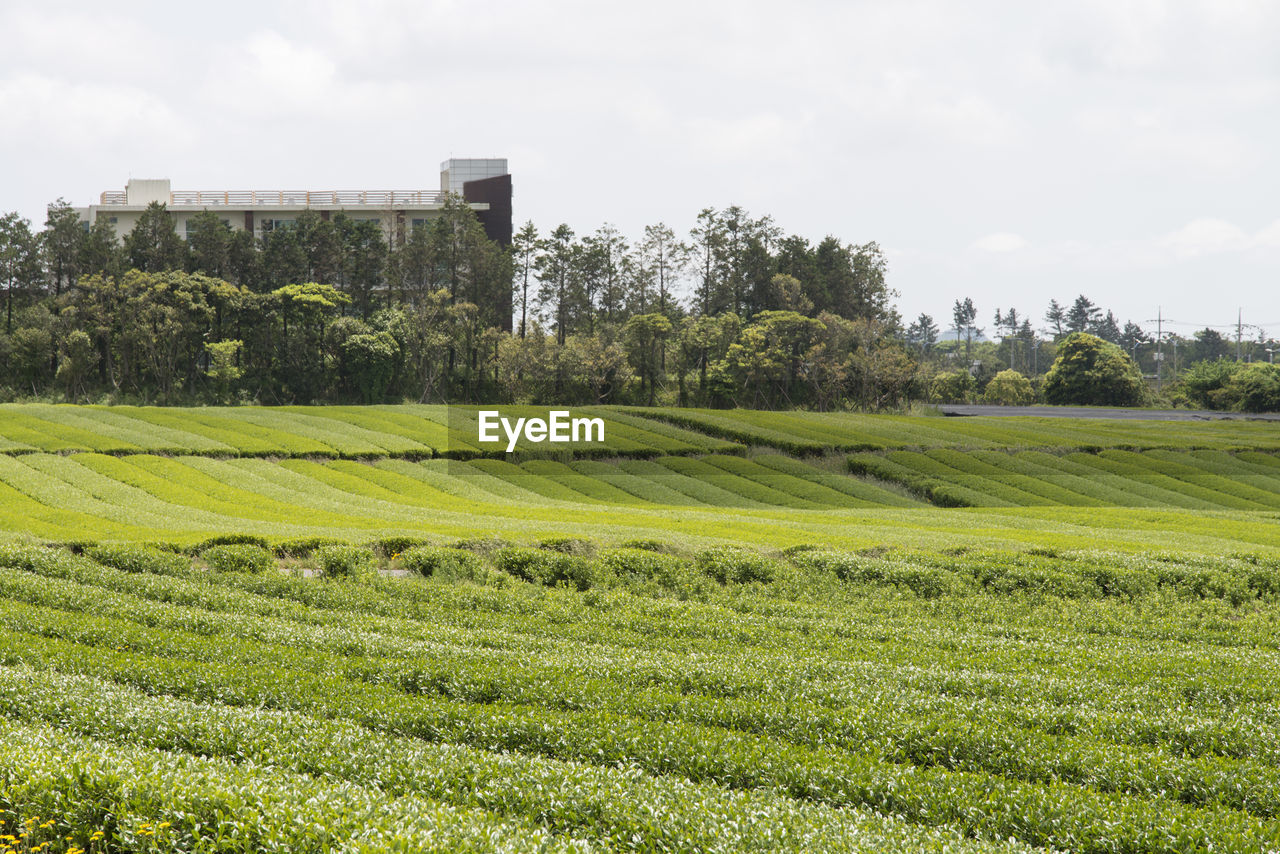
[484,184]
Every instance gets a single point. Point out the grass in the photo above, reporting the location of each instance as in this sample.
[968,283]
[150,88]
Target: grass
[739,631]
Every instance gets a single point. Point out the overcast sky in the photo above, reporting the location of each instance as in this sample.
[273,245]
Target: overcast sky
[1010,152]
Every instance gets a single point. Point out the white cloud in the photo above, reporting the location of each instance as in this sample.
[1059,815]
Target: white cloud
[269,75]
[1207,236]
[1000,242]
[62,114]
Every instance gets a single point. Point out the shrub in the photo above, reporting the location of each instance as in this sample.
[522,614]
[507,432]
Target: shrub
[540,566]
[1001,578]
[229,540]
[945,495]
[730,565]
[241,557]
[925,581]
[350,562]
[639,568]
[1093,372]
[303,546]
[484,546]
[1119,582]
[388,546]
[450,564]
[1009,388]
[952,387]
[1204,383]
[1255,388]
[1196,582]
[131,558]
[569,545]
[649,546]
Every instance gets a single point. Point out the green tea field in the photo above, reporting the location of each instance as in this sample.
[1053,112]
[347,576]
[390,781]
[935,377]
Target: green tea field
[350,629]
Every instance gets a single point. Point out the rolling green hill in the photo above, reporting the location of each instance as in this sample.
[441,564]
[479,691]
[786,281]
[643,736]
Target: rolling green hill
[347,629]
[184,475]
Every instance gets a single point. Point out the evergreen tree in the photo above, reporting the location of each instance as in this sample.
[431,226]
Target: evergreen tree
[62,238]
[153,246]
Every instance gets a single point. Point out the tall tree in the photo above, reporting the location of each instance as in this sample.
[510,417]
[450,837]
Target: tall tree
[963,314]
[863,292]
[208,244]
[1209,346]
[1056,316]
[1107,328]
[707,244]
[19,262]
[923,333]
[1082,315]
[62,238]
[645,336]
[609,254]
[555,268]
[243,262]
[524,246]
[662,259]
[321,247]
[281,258]
[153,246]
[364,258]
[101,252]
[1132,336]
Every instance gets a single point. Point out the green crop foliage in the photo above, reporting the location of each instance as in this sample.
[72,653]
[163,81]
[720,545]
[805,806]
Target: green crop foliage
[309,629]
[238,558]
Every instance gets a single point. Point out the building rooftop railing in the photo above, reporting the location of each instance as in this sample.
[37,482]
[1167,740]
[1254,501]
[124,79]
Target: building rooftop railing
[293,198]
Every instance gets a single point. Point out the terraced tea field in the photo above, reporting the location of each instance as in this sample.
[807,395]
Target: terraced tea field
[183,475]
[349,629]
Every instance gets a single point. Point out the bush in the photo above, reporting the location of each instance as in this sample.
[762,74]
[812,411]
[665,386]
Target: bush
[238,558]
[303,546]
[952,387]
[540,566]
[649,546]
[640,568]
[446,564]
[1255,388]
[484,546]
[1121,583]
[925,581]
[350,562]
[945,495]
[391,546]
[1009,388]
[229,540]
[569,545]
[1195,582]
[1204,383]
[131,558]
[1093,372]
[730,565]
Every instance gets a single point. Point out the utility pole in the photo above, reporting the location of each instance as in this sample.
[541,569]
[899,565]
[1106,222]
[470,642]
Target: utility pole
[1159,345]
[1239,330]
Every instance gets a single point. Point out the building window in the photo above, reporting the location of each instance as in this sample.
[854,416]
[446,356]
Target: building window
[270,225]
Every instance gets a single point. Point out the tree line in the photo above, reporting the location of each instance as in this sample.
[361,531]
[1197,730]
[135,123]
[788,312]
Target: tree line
[734,312]
[1163,367]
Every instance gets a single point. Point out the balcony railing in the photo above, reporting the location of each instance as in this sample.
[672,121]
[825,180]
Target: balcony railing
[293,198]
